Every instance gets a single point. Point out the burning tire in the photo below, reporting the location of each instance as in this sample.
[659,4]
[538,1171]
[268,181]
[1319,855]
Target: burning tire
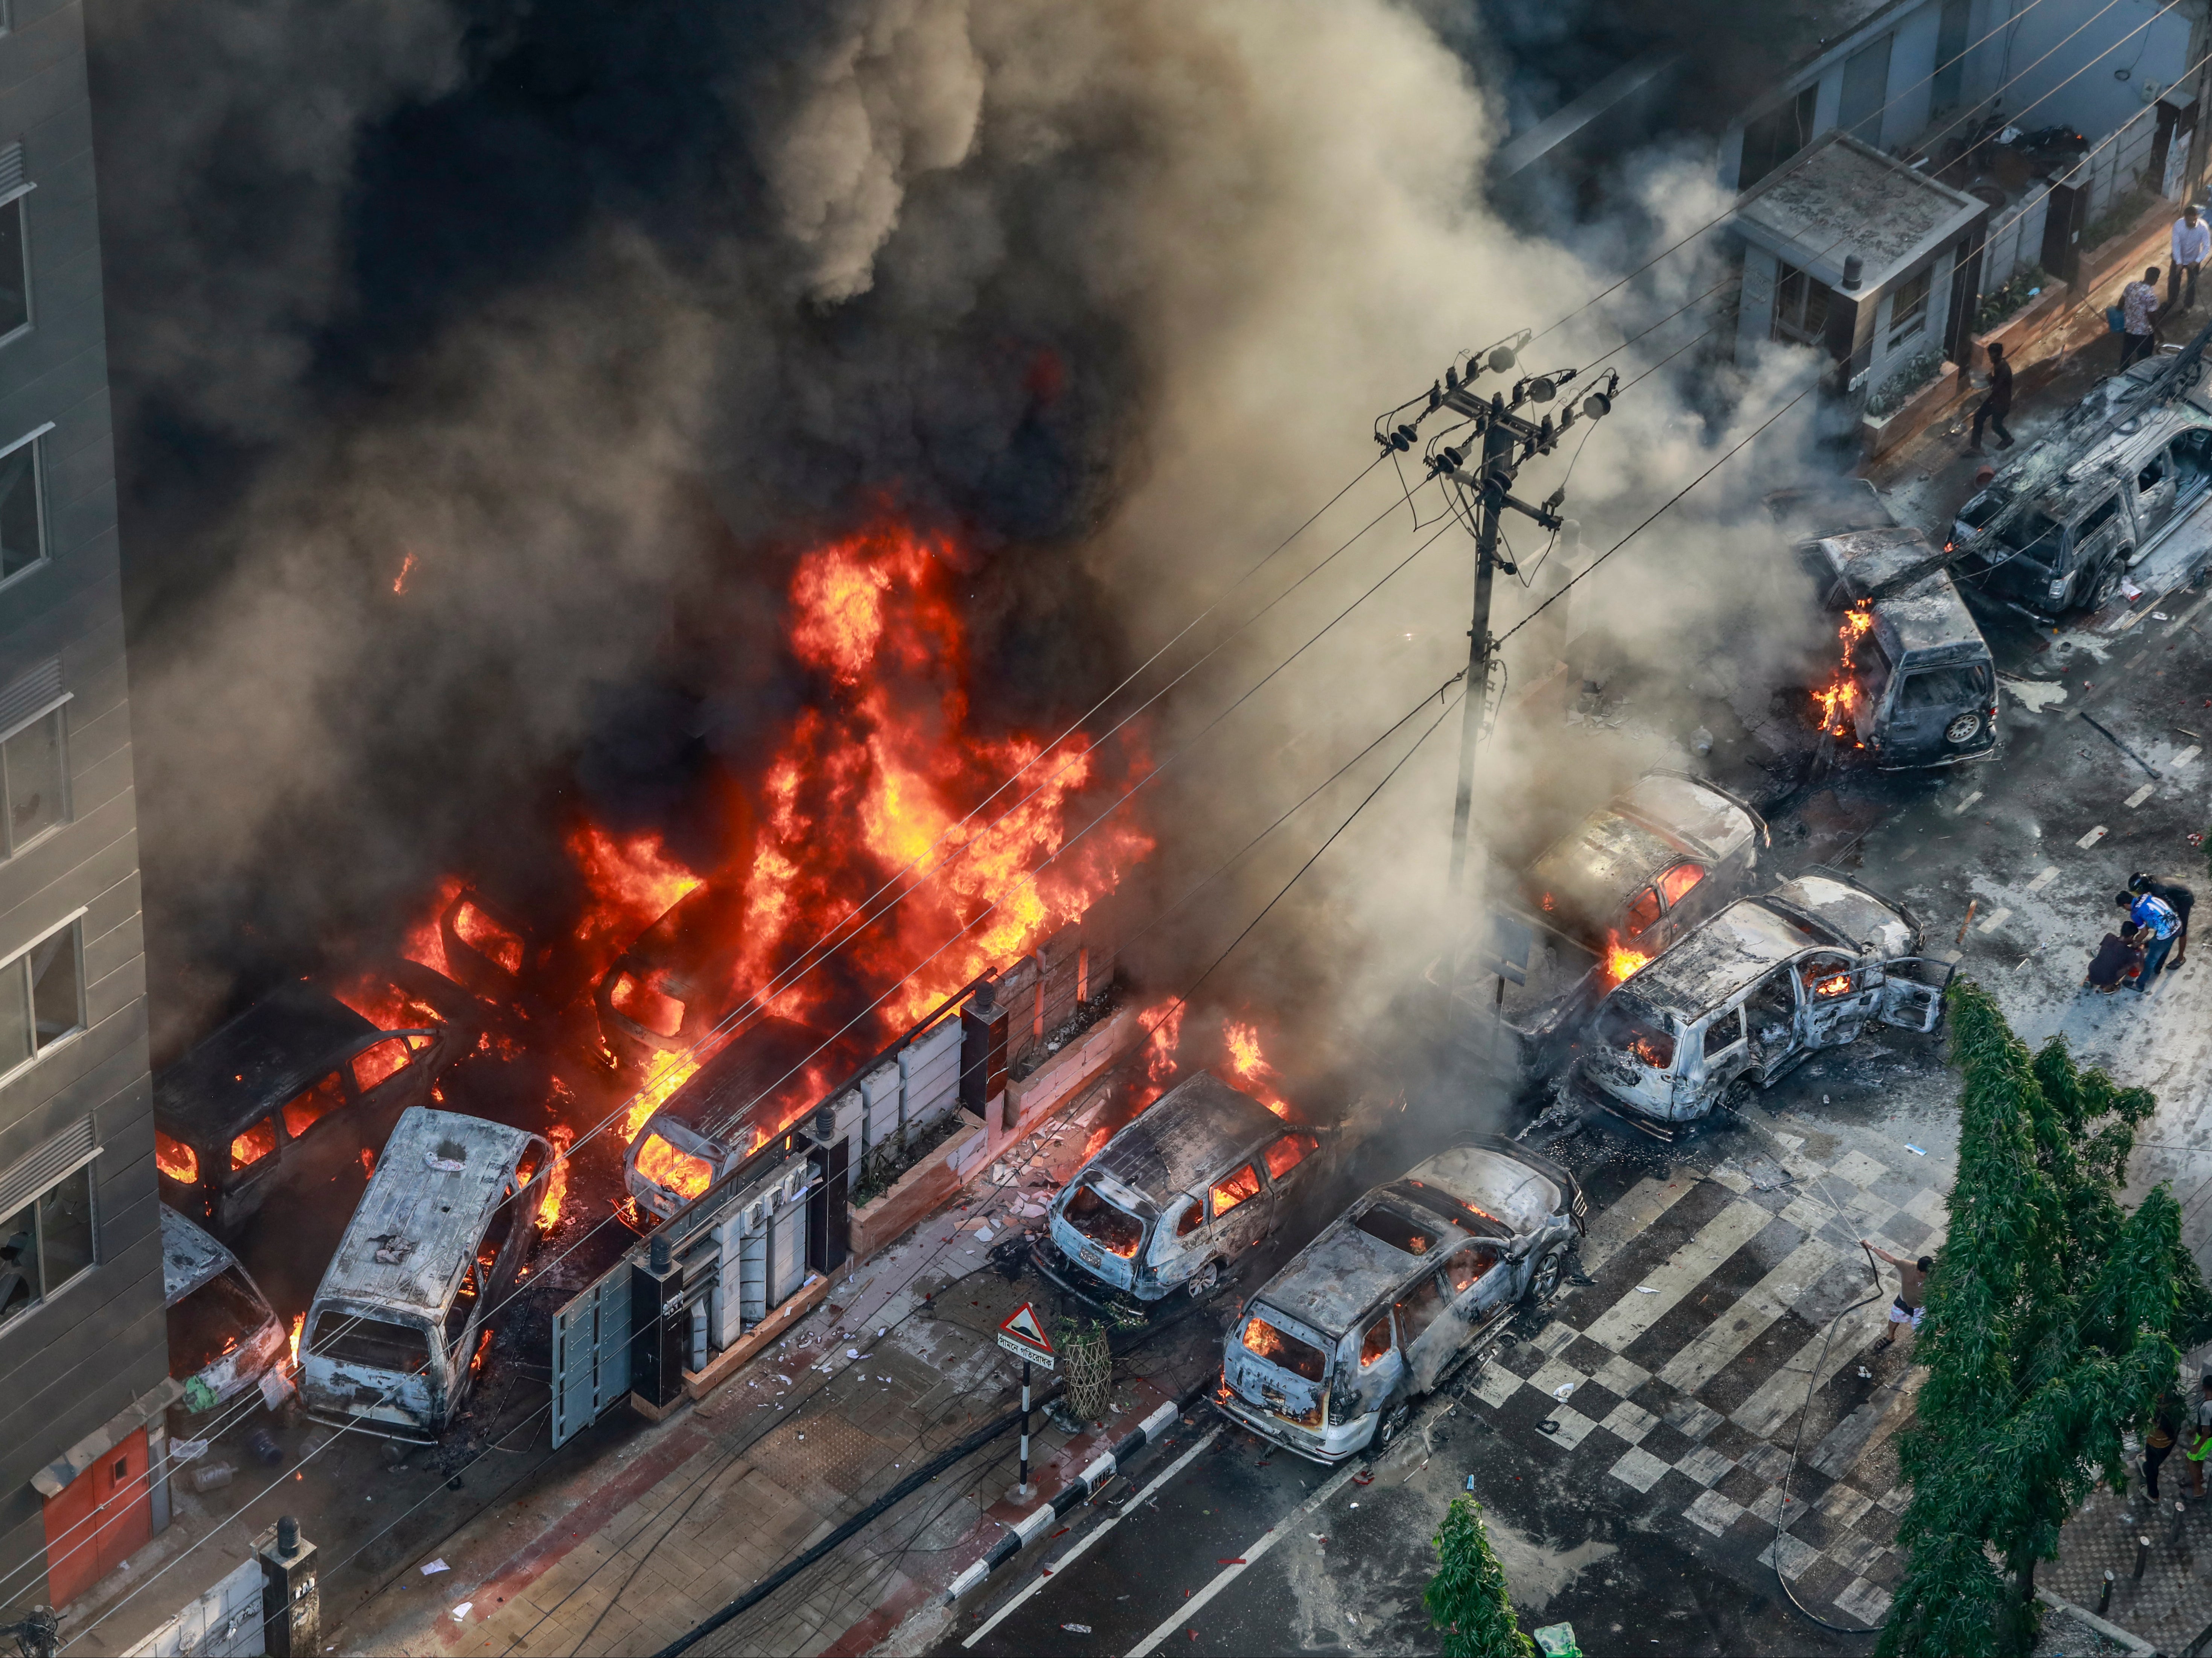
[1964,729]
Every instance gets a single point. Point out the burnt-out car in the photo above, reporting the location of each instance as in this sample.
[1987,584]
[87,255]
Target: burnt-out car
[1329,1356]
[224,1334]
[396,1330]
[1179,1195]
[1750,995]
[291,1093]
[1626,883]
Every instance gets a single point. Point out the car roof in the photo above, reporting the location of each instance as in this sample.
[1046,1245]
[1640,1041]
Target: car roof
[428,1213]
[190,1257]
[1658,820]
[257,1062]
[1186,1137]
[1719,959]
[1856,915]
[1929,616]
[1333,1281]
[1498,1185]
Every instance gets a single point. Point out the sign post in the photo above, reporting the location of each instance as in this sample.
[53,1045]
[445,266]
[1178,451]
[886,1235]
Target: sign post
[1023,1336]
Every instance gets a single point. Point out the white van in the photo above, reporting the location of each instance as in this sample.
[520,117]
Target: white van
[401,1316]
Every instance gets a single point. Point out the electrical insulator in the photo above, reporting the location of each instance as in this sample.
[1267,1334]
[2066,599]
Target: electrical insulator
[1451,376]
[1436,393]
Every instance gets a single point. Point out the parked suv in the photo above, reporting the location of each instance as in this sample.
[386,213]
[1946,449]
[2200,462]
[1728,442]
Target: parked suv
[1179,1195]
[1329,1356]
[1750,995]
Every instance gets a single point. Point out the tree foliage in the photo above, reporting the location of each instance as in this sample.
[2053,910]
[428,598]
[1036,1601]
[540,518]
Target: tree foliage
[2055,1319]
[1468,1599]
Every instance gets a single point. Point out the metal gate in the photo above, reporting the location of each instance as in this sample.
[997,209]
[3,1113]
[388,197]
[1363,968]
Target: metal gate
[591,1354]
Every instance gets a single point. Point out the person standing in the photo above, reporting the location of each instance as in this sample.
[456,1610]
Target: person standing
[2176,897]
[1912,1275]
[2192,246]
[2156,917]
[2138,316]
[1997,404]
[2200,1439]
[2165,1426]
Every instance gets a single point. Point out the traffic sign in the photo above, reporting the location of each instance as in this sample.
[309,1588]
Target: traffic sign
[1022,1336]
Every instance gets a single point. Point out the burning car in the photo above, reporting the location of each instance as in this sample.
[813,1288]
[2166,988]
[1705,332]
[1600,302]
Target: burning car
[1328,1358]
[1626,883]
[289,1094]
[1179,1194]
[396,1330]
[224,1334]
[1751,995]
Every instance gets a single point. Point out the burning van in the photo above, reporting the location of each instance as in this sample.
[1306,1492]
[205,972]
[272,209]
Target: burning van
[224,1334]
[1329,1356]
[397,1327]
[1179,1195]
[1749,995]
[288,1095]
[1629,880]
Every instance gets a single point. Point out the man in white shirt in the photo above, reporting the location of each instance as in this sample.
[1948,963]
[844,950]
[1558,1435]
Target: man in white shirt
[2192,246]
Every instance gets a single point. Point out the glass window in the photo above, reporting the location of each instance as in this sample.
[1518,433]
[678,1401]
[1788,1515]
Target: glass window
[1400,1230]
[32,781]
[14,270]
[1288,1152]
[1724,1032]
[1801,307]
[380,1060]
[41,998]
[1234,1189]
[1116,1230]
[1630,1028]
[2154,473]
[1468,1268]
[1187,1223]
[371,1342]
[2101,515]
[46,1243]
[1908,305]
[312,1105]
[255,1143]
[1777,135]
[1866,87]
[176,1159]
[1298,1356]
[1374,1346]
[1944,688]
[22,514]
[1674,885]
[1420,1308]
[1643,910]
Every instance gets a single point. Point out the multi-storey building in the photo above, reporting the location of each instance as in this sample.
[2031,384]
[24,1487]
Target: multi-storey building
[83,1346]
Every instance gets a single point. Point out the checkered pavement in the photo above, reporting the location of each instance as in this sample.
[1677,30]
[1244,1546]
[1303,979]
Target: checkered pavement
[1680,1376]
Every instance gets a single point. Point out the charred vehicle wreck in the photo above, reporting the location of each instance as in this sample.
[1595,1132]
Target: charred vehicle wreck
[1750,995]
[1623,885]
[1177,1196]
[224,1334]
[1328,1358]
[396,1330]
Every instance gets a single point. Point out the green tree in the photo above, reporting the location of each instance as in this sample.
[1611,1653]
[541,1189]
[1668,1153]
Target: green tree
[2055,1317]
[1466,1598]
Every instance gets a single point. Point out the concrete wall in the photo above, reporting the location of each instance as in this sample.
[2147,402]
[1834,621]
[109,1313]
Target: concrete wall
[68,1367]
[2067,88]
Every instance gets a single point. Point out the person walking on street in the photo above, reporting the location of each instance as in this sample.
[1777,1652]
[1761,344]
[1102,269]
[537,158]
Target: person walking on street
[2165,1426]
[1998,404]
[2176,897]
[2138,316]
[2200,1439]
[2192,246]
[1910,1275]
[2120,959]
[2156,917]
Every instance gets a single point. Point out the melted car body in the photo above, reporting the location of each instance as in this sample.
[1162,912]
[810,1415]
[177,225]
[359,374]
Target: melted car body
[1327,1357]
[1751,995]
[1180,1193]
[224,1334]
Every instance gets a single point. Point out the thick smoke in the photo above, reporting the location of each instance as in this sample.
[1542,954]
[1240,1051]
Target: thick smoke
[597,318]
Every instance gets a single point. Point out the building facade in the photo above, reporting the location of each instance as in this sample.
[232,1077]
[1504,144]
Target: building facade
[84,1343]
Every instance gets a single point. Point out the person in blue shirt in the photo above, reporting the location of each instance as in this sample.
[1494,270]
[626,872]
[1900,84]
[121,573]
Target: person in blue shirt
[2157,919]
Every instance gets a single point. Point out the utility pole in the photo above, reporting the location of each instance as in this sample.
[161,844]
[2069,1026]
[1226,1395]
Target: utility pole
[1509,441]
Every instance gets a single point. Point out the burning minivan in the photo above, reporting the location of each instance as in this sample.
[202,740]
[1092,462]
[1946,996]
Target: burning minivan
[1614,891]
[1327,1359]
[1177,1195]
[1750,995]
[289,1094]
[396,1330]
[224,1334]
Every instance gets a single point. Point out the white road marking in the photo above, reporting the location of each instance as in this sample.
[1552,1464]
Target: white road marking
[1250,1557]
[2050,874]
[1621,1222]
[1068,1560]
[2091,838]
[2186,755]
[2141,795]
[1716,1346]
[1994,919]
[1960,811]
[1685,1270]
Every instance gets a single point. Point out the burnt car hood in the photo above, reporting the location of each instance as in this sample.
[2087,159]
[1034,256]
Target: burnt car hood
[1183,1138]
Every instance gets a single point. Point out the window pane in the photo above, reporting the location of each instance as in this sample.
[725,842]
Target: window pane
[21,543]
[15,277]
[54,999]
[19,1262]
[310,1107]
[1866,80]
[1234,1189]
[14,1015]
[65,1229]
[255,1143]
[33,759]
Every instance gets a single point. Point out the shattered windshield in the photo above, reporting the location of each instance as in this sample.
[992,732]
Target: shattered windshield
[216,1318]
[1116,1231]
[1281,1348]
[2034,536]
[1626,1025]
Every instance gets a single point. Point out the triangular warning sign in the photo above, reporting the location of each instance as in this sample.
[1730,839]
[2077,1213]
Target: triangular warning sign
[1022,1327]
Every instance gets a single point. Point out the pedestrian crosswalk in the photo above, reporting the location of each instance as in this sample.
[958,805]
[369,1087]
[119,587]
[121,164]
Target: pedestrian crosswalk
[1729,1322]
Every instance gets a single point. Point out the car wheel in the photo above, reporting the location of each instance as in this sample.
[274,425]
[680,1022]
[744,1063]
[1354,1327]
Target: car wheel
[1544,1282]
[2107,587]
[1204,1280]
[1964,729]
[1393,1424]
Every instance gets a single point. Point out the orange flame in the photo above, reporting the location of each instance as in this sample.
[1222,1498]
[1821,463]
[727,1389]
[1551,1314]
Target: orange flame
[425,944]
[1249,1068]
[175,1159]
[557,1182]
[1163,1021]
[406,569]
[633,882]
[1621,961]
[1840,984]
[1839,697]
[298,1323]
[677,1171]
[670,1072]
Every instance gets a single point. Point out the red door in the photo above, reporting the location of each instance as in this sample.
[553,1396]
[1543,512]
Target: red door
[104,1514]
